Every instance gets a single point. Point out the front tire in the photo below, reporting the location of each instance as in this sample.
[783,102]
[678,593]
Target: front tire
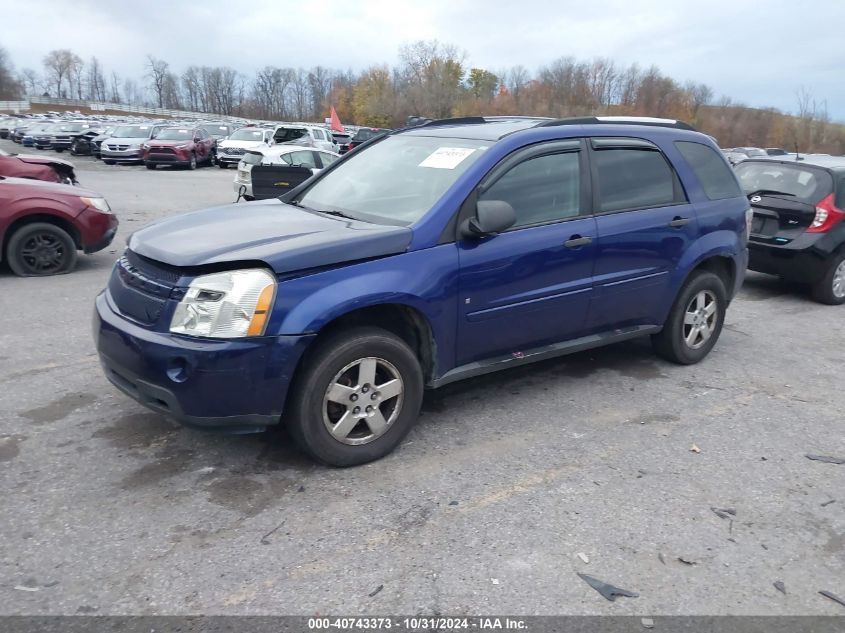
[356,397]
[150,165]
[830,289]
[40,249]
[192,164]
[222,165]
[108,162]
[695,320]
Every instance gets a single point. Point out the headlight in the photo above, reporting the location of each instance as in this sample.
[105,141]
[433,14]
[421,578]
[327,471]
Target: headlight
[230,304]
[99,204]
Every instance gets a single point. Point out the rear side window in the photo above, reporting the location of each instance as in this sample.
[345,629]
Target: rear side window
[802,184]
[633,179]
[716,178]
[542,189]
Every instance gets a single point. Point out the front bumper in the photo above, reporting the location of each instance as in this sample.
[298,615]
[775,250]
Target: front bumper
[235,385]
[129,155]
[229,160]
[167,159]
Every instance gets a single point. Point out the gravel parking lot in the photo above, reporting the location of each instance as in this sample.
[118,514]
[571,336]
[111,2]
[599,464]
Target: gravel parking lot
[108,508]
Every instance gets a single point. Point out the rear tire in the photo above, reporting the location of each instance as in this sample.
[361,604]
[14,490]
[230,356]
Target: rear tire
[830,289]
[376,386]
[695,320]
[41,249]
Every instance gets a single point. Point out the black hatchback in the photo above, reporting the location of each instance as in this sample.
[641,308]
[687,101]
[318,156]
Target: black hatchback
[798,231]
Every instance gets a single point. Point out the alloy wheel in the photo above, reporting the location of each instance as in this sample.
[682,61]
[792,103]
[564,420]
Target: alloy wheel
[43,253]
[362,401]
[839,281]
[700,319]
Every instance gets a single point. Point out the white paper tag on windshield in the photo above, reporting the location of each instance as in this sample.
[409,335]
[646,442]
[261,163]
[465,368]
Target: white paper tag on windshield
[446,157]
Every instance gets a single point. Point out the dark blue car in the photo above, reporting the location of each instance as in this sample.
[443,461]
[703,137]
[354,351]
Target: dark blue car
[432,254]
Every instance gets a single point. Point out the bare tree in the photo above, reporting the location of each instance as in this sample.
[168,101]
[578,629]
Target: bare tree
[59,65]
[157,74]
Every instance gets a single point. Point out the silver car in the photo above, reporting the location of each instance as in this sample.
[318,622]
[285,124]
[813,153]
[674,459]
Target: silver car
[124,145]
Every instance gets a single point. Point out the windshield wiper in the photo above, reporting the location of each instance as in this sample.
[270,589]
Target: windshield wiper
[770,192]
[335,213]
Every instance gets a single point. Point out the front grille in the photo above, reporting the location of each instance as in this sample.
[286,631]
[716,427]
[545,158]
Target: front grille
[152,269]
[162,150]
[117,148]
[140,291]
[233,151]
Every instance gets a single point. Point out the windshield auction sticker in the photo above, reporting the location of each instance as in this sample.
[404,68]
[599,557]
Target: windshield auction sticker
[446,157]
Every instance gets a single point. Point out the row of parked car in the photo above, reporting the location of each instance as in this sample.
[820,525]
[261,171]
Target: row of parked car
[172,143]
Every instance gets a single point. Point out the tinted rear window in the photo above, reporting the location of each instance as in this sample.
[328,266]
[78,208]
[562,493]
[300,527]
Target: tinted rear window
[804,184]
[716,178]
[633,179]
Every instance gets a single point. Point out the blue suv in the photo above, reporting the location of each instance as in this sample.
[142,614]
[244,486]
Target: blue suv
[429,255]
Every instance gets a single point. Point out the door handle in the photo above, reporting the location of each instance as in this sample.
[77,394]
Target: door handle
[576,240]
[678,222]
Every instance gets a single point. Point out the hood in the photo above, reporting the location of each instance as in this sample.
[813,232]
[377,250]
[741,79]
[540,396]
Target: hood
[168,143]
[242,144]
[135,140]
[51,188]
[283,236]
[35,159]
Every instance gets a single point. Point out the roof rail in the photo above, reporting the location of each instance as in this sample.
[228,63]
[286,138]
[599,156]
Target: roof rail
[461,120]
[620,120]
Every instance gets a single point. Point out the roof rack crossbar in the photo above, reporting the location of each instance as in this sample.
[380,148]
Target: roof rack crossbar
[618,120]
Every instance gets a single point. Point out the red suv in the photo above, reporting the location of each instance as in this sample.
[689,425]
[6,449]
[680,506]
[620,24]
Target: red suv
[43,224]
[179,146]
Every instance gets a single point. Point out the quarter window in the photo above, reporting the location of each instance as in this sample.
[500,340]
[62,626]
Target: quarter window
[633,179]
[327,159]
[542,189]
[302,158]
[716,178]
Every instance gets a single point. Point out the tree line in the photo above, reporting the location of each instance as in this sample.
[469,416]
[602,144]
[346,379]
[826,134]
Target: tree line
[432,79]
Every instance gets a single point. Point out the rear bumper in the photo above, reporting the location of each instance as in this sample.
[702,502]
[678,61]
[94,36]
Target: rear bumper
[802,265]
[234,385]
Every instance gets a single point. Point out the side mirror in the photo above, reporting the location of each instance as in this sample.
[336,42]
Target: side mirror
[197,139]
[491,217]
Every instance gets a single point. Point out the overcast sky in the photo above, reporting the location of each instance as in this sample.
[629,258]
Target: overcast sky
[758,53]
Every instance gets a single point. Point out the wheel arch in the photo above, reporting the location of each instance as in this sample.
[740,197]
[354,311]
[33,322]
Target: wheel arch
[31,218]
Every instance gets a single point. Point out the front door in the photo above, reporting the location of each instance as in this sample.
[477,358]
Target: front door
[531,285]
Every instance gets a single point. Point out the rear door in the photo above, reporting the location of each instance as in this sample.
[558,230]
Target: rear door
[783,197]
[645,224]
[530,285]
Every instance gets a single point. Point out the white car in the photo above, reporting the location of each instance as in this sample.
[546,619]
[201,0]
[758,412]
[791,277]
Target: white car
[232,150]
[305,136]
[281,155]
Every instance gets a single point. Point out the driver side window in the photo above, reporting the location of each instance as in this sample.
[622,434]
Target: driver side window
[541,189]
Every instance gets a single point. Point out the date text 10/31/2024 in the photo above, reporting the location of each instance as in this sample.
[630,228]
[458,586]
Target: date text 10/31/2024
[416,624]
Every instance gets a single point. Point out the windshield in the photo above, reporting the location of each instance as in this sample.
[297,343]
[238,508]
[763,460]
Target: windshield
[395,181]
[798,183]
[175,134]
[132,131]
[247,134]
[286,134]
[73,127]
